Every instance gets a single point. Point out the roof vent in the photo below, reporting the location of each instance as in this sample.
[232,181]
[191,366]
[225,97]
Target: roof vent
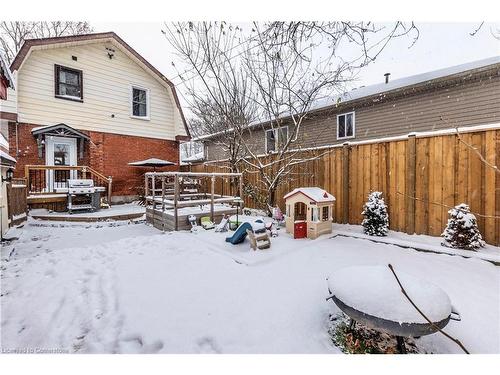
[386,75]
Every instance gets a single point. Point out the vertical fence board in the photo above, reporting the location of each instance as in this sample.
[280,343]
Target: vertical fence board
[446,172]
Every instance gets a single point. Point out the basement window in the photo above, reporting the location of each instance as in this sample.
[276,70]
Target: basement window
[140,103]
[68,83]
[346,125]
[276,138]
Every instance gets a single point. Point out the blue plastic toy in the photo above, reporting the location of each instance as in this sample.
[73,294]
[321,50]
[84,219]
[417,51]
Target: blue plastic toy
[240,234]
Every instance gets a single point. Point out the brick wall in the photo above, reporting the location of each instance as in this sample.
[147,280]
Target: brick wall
[115,151]
[106,153]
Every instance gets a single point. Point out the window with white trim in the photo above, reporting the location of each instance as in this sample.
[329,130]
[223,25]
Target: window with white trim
[314,214]
[275,138]
[346,126]
[325,213]
[140,102]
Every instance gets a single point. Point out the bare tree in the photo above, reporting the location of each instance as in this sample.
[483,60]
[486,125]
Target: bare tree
[270,79]
[13,34]
[219,93]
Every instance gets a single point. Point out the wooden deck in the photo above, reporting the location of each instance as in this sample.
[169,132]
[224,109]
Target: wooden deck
[172,196]
[114,213]
[165,220]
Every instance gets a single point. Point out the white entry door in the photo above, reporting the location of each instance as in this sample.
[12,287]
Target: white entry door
[59,151]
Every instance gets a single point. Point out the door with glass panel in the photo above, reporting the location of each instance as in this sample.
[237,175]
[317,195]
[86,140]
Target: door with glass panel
[60,151]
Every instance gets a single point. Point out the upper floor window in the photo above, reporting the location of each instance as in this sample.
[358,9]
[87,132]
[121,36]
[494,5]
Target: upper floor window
[276,137]
[346,126]
[68,83]
[140,102]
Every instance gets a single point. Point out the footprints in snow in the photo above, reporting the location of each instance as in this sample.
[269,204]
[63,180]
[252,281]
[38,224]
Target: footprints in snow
[136,344]
[208,345]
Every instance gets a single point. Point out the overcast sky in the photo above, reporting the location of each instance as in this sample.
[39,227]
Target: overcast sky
[439,45]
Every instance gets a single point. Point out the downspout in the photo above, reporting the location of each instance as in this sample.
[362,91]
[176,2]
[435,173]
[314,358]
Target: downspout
[17,140]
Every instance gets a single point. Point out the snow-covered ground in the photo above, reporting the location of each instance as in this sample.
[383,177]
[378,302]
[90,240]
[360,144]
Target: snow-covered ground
[119,287]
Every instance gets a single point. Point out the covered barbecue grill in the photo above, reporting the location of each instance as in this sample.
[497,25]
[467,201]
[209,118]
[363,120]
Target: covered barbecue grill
[371,295]
[83,195]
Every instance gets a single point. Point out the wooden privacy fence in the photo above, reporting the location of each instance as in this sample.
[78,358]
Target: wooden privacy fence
[421,177]
[16,198]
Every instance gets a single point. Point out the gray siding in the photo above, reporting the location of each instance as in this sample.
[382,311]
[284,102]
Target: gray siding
[466,101]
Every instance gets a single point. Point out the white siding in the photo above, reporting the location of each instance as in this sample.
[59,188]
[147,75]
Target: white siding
[106,92]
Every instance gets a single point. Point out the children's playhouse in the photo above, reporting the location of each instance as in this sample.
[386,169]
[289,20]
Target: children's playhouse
[309,212]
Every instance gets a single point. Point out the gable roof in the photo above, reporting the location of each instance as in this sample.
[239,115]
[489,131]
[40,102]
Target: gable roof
[423,78]
[30,43]
[61,130]
[314,193]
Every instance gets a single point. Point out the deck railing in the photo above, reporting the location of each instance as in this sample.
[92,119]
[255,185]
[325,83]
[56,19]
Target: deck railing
[53,179]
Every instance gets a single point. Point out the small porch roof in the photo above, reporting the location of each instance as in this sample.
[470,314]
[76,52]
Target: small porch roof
[60,130]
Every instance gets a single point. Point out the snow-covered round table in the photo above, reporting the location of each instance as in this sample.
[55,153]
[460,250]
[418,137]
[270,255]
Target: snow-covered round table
[372,296]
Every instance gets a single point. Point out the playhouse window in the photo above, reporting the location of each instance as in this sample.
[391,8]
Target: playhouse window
[325,213]
[314,214]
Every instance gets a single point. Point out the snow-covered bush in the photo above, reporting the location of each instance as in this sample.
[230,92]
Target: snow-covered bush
[376,221]
[462,232]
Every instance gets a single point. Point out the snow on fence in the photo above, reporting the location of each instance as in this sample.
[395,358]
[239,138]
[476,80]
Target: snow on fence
[16,198]
[421,177]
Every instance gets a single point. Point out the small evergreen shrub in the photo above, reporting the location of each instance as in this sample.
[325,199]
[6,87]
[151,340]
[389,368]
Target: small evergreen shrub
[462,232]
[376,221]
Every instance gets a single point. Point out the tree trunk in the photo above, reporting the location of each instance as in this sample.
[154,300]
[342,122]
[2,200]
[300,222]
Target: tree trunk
[271,200]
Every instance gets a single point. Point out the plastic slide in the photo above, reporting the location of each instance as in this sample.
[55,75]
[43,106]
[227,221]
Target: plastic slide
[240,234]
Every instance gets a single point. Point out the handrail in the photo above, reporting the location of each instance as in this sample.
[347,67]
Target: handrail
[98,174]
[82,168]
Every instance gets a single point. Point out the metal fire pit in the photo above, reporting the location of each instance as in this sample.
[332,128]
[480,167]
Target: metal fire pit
[390,326]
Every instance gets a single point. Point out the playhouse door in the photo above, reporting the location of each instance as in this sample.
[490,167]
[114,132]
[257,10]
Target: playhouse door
[300,229]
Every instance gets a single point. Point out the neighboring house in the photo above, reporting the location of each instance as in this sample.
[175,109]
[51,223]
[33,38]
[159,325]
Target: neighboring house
[7,162]
[191,152]
[463,95]
[6,79]
[90,100]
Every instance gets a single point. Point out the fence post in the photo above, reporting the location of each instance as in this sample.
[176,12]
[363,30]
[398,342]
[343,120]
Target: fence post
[212,192]
[110,187]
[411,163]
[176,202]
[345,183]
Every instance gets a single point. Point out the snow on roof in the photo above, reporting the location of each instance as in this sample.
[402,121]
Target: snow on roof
[4,155]
[5,70]
[314,193]
[381,88]
[405,82]
[3,141]
[195,157]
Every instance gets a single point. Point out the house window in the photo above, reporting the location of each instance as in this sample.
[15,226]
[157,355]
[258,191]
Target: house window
[275,138]
[140,102]
[345,126]
[68,83]
[325,213]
